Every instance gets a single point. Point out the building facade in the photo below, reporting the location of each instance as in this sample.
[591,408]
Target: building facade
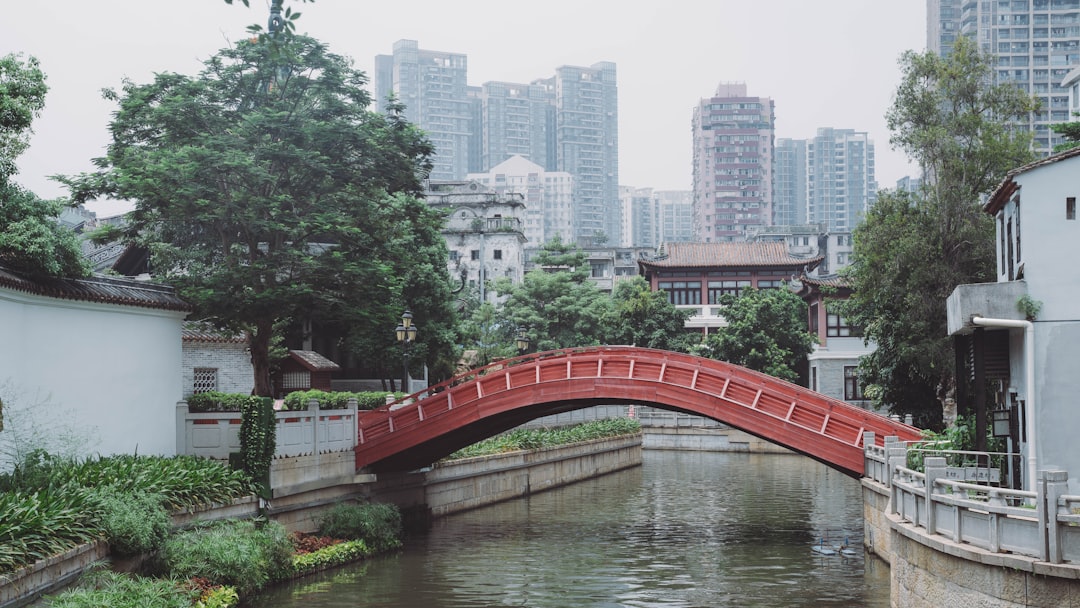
[432,85]
[587,145]
[789,182]
[483,234]
[733,164]
[695,275]
[840,178]
[1036,43]
[833,364]
[548,197]
[1034,306]
[676,215]
[517,120]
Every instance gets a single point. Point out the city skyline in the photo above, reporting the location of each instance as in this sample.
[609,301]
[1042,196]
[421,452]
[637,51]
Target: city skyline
[828,64]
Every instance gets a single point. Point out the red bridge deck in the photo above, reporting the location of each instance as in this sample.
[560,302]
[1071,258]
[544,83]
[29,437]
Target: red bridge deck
[489,400]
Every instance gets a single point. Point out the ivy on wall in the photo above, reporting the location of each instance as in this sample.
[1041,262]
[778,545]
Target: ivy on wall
[258,434]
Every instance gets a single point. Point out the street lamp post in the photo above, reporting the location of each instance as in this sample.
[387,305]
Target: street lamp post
[406,334]
[522,342]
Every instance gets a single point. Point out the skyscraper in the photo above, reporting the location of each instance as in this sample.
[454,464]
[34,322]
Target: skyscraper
[517,119]
[587,145]
[433,87]
[1036,43]
[789,182]
[840,178]
[733,164]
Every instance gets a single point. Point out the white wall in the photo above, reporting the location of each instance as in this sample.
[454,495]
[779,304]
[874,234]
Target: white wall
[107,374]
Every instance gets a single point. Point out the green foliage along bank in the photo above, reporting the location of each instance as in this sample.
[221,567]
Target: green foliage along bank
[531,439]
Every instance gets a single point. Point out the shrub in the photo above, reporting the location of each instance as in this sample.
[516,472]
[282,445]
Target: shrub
[377,524]
[531,439]
[106,588]
[336,400]
[258,429]
[133,522]
[41,524]
[214,401]
[242,554]
[333,555]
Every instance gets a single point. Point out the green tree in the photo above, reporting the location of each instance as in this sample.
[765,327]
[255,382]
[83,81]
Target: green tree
[646,318]
[556,303]
[265,190]
[487,333]
[766,331]
[31,239]
[912,251]
[1071,131]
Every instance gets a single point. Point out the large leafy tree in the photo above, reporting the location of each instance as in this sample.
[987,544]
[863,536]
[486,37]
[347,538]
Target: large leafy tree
[556,304]
[31,239]
[643,317]
[766,331]
[1071,131]
[266,190]
[911,252]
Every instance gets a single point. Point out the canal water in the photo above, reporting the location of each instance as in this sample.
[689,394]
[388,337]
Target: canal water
[686,529]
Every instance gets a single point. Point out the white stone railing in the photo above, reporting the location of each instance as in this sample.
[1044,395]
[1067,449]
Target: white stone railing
[299,432]
[1043,524]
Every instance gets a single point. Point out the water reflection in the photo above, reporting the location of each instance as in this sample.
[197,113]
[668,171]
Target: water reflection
[687,529]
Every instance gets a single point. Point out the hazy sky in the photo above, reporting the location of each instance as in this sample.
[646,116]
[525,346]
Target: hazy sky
[825,63]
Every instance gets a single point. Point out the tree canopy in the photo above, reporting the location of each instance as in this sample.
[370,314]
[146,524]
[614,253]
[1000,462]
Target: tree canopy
[556,304]
[766,331]
[646,318]
[31,239]
[266,189]
[913,250]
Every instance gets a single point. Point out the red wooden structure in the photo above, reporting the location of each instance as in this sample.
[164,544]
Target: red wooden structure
[492,399]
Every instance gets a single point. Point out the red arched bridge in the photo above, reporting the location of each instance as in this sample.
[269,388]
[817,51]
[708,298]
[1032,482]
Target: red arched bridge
[501,396]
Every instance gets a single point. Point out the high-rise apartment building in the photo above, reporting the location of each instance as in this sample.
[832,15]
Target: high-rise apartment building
[676,215]
[517,119]
[433,87]
[733,164]
[587,145]
[568,122]
[789,182]
[548,197]
[840,178]
[1036,42]
[641,217]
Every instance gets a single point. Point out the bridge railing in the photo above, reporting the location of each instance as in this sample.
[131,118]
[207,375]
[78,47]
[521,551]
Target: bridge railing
[1043,524]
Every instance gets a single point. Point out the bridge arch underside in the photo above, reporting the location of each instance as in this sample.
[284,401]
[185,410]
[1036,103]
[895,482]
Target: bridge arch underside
[806,422]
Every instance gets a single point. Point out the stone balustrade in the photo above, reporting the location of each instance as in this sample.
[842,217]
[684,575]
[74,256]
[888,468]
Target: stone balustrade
[299,432]
[1043,524]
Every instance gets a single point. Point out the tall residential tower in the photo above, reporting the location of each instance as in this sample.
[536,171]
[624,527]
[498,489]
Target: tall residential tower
[733,164]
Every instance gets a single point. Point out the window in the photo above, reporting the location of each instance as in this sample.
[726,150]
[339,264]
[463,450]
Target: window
[813,379]
[296,380]
[1070,208]
[497,254]
[720,288]
[453,256]
[474,254]
[813,320]
[838,327]
[682,292]
[205,380]
[852,388]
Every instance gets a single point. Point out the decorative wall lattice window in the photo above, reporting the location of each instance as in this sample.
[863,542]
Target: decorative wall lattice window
[296,380]
[205,380]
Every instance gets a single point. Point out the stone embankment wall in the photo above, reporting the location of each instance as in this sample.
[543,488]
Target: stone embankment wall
[460,485]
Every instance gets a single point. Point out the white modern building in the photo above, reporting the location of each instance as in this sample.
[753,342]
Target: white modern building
[1034,307]
[548,197]
[840,178]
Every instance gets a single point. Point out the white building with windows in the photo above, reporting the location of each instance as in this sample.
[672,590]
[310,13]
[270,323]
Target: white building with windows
[548,197]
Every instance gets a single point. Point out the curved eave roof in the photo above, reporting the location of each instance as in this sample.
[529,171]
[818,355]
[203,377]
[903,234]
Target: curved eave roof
[742,255]
[104,290]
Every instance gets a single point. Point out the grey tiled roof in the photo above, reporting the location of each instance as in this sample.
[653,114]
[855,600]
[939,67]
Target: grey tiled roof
[107,290]
[700,255]
[314,361]
[202,332]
